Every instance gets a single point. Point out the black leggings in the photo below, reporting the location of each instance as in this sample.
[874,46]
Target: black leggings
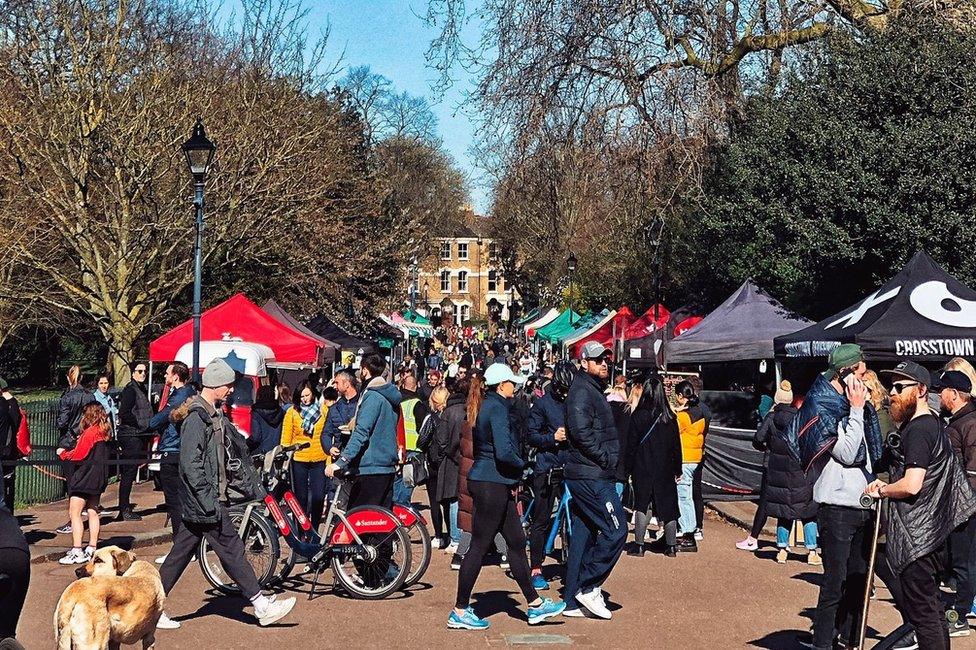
[14,578]
[759,521]
[494,511]
[130,448]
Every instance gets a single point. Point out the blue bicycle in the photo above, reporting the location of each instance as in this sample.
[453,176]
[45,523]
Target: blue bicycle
[562,525]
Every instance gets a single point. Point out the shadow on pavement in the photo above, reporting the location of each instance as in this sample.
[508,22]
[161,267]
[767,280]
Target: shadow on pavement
[808,576]
[781,640]
[490,603]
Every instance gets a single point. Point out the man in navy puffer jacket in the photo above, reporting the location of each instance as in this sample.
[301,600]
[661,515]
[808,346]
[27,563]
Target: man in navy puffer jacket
[598,518]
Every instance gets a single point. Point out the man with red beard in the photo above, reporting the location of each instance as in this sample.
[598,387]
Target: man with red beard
[928,498]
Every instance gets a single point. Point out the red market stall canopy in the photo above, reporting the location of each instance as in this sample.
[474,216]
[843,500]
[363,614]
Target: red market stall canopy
[922,313]
[610,329]
[645,350]
[238,317]
[646,323]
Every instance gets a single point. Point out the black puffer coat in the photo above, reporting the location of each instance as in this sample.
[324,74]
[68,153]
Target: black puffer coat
[594,447]
[789,492]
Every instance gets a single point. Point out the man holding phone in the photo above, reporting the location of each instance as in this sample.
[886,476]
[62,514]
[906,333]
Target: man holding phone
[839,445]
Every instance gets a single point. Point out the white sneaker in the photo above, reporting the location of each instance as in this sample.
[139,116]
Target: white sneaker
[89,553]
[166,623]
[161,558]
[73,556]
[652,521]
[451,548]
[277,610]
[574,613]
[596,592]
[699,535]
[594,602]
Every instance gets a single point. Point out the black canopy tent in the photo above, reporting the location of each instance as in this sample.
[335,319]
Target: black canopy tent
[282,316]
[921,313]
[741,328]
[326,328]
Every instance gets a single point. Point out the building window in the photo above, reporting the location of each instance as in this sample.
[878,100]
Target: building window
[493,280]
[493,250]
[462,251]
[463,281]
[445,250]
[465,313]
[445,282]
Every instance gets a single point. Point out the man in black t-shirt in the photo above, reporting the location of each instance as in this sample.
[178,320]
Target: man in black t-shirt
[928,498]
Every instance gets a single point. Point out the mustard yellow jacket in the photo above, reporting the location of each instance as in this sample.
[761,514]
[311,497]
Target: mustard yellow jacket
[292,434]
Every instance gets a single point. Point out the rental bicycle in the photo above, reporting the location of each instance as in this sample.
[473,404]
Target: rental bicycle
[368,549]
[562,525]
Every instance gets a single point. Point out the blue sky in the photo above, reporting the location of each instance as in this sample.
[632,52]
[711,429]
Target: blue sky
[391,37]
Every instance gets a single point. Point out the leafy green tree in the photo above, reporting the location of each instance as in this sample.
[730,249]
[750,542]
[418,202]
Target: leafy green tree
[867,155]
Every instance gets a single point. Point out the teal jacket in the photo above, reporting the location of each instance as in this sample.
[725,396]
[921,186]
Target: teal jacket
[372,446]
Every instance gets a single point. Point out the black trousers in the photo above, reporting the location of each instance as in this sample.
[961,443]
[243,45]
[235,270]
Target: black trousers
[543,496]
[14,580]
[440,512]
[759,521]
[10,473]
[963,546]
[696,494]
[494,512]
[130,448]
[923,604]
[845,542]
[372,490]
[169,479]
[225,542]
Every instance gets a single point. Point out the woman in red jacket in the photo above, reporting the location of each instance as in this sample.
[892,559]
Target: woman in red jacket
[87,481]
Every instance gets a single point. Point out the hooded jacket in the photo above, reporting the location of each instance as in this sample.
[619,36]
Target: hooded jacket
[208,441]
[545,417]
[594,447]
[789,493]
[341,413]
[266,419]
[372,446]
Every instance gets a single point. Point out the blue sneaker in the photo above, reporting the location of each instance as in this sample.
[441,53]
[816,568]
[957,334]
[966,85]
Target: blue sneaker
[972,612]
[538,582]
[467,621]
[546,610]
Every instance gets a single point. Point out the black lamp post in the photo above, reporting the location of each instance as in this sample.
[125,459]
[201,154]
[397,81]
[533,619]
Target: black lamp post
[425,297]
[571,267]
[199,153]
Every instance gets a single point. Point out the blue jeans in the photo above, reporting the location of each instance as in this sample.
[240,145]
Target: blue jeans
[809,533]
[686,499]
[453,525]
[401,493]
[599,526]
[309,486]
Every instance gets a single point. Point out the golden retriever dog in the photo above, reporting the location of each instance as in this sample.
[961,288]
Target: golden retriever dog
[116,600]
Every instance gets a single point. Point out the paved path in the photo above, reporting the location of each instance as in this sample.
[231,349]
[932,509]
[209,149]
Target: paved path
[718,598]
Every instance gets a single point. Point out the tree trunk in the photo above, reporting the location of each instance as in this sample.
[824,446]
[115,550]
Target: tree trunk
[121,339]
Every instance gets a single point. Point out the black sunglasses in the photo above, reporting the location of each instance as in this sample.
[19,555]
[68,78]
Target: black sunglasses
[899,388]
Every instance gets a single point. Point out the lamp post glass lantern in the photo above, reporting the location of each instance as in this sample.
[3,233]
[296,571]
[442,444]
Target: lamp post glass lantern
[199,151]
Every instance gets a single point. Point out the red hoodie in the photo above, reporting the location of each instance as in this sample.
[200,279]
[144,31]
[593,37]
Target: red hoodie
[89,438]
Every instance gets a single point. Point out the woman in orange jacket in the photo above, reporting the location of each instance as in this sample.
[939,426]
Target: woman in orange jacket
[691,428]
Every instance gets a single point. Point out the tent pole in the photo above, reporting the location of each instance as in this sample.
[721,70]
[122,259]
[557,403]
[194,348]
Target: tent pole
[149,390]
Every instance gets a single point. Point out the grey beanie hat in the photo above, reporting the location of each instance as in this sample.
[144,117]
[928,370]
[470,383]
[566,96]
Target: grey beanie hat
[218,373]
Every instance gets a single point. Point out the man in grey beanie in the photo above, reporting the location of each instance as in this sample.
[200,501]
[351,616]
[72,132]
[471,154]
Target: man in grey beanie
[205,439]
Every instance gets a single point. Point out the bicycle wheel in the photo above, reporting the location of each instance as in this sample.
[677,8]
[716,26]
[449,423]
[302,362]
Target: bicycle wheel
[419,552]
[261,551]
[377,567]
[563,540]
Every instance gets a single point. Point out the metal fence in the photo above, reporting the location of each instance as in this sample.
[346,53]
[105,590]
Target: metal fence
[41,483]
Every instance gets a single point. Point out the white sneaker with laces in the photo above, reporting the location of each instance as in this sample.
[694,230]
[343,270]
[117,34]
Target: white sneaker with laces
[73,556]
[593,601]
[574,613]
[274,612]
[161,558]
[166,623]
[451,548]
[89,553]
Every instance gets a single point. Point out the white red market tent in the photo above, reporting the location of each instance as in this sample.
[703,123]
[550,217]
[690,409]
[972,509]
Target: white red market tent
[540,322]
[239,318]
